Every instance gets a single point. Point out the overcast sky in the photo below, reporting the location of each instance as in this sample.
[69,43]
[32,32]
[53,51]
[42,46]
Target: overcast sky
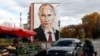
[71,10]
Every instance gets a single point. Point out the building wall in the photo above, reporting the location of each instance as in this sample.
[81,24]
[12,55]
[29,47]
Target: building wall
[31,19]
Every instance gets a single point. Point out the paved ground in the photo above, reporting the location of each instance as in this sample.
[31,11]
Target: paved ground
[96,44]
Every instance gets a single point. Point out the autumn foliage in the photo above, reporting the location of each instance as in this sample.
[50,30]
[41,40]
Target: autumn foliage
[90,27]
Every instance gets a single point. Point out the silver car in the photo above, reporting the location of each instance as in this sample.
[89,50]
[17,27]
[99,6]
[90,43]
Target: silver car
[66,47]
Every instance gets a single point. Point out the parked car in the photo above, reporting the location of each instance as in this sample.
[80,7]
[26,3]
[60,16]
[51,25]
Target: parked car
[66,47]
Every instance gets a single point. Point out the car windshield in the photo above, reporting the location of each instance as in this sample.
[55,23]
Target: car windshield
[69,43]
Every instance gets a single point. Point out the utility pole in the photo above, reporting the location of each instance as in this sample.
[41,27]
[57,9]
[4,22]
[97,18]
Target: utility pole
[20,19]
[13,22]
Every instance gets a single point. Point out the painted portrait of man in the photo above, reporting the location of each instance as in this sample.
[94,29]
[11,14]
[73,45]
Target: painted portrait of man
[48,29]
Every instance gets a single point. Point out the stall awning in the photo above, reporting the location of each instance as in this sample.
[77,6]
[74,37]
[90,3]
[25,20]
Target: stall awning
[16,31]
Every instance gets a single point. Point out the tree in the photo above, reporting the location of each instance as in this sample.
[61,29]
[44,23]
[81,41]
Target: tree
[92,23]
[68,31]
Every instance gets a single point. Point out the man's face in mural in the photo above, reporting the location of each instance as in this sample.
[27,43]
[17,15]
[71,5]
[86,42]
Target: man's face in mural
[46,15]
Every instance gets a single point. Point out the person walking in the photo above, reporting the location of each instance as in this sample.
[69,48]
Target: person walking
[88,48]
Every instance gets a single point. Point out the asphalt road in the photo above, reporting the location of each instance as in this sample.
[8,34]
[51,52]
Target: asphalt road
[96,44]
